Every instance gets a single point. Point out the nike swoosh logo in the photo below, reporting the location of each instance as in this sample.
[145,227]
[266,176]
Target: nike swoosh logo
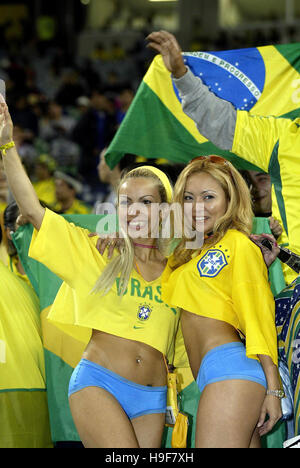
[137,328]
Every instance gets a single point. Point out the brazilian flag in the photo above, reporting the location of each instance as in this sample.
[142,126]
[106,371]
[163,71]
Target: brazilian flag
[262,80]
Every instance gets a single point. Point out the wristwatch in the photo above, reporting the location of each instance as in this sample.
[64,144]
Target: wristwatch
[278,393]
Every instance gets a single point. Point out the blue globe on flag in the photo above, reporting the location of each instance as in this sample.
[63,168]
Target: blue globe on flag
[236,75]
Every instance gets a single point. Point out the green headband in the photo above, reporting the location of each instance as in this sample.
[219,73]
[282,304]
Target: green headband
[162,177]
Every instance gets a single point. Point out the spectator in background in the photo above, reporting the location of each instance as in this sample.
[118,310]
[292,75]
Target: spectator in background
[24,141]
[82,105]
[70,90]
[113,82]
[124,100]
[8,252]
[22,383]
[48,75]
[100,53]
[91,76]
[44,184]
[23,114]
[65,151]
[259,184]
[260,187]
[93,131]
[54,120]
[117,52]
[23,397]
[66,189]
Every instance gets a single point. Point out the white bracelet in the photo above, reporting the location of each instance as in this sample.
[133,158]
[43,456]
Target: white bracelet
[278,393]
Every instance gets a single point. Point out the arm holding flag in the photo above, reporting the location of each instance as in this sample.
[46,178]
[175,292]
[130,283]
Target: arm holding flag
[215,118]
[166,44]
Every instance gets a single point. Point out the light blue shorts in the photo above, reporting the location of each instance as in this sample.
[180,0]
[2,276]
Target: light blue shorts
[136,400]
[229,362]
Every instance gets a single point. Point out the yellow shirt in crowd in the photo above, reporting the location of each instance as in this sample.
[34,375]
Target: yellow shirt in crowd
[77,207]
[140,315]
[24,418]
[45,190]
[228,282]
[20,319]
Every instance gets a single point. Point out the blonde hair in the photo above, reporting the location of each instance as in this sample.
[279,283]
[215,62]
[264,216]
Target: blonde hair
[123,264]
[238,215]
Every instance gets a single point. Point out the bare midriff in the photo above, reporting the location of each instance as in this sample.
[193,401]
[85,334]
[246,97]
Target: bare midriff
[202,334]
[133,360]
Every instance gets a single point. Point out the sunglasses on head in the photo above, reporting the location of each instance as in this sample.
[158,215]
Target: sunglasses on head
[212,157]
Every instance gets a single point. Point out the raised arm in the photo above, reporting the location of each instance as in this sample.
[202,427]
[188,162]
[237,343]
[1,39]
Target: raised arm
[214,117]
[18,180]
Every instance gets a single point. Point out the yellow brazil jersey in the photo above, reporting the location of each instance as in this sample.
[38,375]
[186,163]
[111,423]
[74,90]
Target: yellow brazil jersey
[140,315]
[228,282]
[273,144]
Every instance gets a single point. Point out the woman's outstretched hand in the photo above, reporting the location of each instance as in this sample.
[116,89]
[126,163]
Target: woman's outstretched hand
[6,125]
[166,44]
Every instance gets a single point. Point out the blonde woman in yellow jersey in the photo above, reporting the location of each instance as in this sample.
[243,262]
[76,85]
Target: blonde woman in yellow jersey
[118,390]
[223,292]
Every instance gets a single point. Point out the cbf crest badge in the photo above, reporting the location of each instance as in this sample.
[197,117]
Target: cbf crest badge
[144,312]
[212,263]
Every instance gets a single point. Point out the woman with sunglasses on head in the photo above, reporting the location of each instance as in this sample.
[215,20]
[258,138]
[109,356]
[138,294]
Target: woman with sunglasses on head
[225,299]
[117,393]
